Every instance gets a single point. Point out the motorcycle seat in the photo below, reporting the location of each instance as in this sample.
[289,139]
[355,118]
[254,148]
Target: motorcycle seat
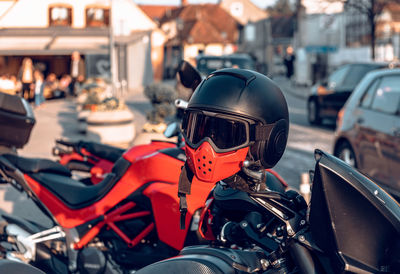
[106,152]
[75,194]
[33,165]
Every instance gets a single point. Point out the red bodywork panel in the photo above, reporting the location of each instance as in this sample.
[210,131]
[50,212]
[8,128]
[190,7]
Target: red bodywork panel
[165,202]
[154,167]
[103,166]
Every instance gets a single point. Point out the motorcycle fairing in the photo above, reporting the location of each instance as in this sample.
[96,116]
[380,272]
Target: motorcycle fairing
[139,173]
[165,204]
[352,218]
[101,163]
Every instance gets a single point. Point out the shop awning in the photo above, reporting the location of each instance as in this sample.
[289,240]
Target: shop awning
[56,41]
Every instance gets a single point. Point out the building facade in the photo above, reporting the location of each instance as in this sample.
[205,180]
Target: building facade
[48,31]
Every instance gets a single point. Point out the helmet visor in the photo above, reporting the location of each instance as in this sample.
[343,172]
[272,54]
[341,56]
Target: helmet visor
[224,132]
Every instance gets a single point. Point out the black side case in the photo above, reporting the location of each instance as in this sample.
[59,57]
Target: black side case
[16,121]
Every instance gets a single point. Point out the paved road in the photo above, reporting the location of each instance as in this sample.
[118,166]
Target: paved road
[303,138]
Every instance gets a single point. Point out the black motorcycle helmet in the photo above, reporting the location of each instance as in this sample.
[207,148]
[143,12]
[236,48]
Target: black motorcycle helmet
[239,94]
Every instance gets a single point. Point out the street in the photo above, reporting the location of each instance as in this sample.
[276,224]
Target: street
[303,138]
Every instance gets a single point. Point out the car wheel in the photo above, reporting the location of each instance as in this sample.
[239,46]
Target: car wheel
[346,153]
[313,113]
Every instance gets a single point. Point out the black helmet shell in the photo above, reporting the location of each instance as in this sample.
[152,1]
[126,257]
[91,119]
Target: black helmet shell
[248,94]
[241,92]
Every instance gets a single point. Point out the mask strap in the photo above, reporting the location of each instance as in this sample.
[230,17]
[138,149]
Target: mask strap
[184,186]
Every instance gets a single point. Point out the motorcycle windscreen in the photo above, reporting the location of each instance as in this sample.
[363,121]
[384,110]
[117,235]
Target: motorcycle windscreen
[352,219]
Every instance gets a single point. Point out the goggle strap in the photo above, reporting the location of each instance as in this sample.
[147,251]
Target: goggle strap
[262,131]
[184,187]
[182,210]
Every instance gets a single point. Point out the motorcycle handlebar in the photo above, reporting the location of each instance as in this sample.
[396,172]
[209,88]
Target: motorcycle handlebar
[66,143]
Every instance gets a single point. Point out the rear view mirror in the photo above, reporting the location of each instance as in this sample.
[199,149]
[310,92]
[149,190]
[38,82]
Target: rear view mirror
[172,130]
[188,75]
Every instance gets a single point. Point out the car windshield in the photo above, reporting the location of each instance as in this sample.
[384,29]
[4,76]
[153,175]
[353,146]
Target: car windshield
[206,65]
[240,63]
[337,77]
[356,73]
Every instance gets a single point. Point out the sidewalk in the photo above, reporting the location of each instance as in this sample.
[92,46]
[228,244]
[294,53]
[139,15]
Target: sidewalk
[58,119]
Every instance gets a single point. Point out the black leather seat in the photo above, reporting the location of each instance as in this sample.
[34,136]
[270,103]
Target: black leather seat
[33,165]
[57,179]
[107,152]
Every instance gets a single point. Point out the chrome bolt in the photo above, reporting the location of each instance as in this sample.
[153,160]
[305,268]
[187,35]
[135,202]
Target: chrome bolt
[290,232]
[302,222]
[302,238]
[264,264]
[244,224]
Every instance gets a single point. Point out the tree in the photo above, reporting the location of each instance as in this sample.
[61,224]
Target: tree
[372,9]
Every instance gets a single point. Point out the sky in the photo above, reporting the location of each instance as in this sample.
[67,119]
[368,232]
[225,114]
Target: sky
[261,3]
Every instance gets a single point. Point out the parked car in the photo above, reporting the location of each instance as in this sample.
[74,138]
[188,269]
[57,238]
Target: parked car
[329,96]
[209,63]
[368,129]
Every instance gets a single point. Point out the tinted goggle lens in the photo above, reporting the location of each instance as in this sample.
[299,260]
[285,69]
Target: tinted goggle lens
[224,132]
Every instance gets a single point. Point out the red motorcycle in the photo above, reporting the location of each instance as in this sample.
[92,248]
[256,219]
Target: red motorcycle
[130,218]
[126,221]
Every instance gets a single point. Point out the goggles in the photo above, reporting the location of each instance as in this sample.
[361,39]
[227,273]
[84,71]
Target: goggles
[224,132]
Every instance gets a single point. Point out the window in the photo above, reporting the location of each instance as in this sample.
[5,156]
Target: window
[337,77]
[97,17]
[366,99]
[60,15]
[387,95]
[356,73]
[250,32]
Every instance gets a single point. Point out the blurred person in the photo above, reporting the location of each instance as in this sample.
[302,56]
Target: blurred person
[65,84]
[77,72]
[25,75]
[16,83]
[288,61]
[50,85]
[38,89]
[7,85]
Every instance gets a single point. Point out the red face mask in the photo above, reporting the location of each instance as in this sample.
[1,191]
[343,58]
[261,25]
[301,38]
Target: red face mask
[211,167]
